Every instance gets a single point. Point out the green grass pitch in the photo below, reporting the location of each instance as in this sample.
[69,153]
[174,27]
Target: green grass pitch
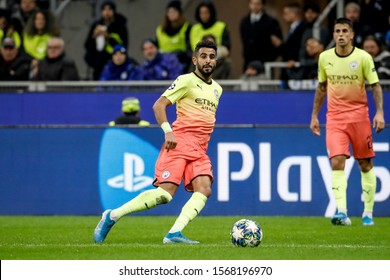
[140,238]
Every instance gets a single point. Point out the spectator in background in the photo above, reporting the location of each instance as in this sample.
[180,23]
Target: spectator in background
[375,13]
[131,108]
[207,23]
[290,48]
[22,13]
[253,73]
[380,56]
[224,63]
[172,34]
[14,65]
[309,61]
[104,34]
[255,69]
[41,26]
[311,12]
[121,67]
[361,30]
[255,30]
[56,66]
[158,66]
[7,29]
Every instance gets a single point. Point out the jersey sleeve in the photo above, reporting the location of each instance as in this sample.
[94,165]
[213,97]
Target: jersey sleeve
[321,70]
[369,70]
[176,90]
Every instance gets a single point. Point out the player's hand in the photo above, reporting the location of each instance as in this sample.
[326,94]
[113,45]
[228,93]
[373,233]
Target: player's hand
[170,141]
[378,122]
[315,126]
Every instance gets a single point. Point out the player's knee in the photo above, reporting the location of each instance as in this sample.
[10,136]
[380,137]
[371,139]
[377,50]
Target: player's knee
[206,191]
[164,196]
[365,165]
[164,199]
[338,162]
[202,184]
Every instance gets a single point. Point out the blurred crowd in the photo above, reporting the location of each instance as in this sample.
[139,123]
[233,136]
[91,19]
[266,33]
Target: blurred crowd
[32,47]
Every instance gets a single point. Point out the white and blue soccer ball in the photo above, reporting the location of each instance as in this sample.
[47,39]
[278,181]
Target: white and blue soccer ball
[246,233]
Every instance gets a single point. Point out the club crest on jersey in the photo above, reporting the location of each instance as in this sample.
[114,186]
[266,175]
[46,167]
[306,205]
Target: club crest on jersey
[216,94]
[165,174]
[353,65]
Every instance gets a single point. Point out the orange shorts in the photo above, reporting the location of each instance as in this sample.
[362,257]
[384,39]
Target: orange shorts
[186,162]
[339,137]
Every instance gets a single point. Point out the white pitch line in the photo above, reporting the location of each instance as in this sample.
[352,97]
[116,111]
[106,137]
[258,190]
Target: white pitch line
[331,246]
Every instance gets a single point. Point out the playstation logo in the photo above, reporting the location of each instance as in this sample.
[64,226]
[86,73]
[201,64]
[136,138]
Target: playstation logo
[126,166]
[132,179]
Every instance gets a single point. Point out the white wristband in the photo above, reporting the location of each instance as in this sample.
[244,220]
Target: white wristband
[166,127]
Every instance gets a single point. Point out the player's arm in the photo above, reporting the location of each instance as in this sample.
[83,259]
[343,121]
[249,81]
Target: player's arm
[379,119]
[160,112]
[318,101]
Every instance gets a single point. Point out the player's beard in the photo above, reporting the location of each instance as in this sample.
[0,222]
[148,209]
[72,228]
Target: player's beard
[206,73]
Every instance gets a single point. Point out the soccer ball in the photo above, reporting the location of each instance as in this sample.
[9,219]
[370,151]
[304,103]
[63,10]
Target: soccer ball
[246,233]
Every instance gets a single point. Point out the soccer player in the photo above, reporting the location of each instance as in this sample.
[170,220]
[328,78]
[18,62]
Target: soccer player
[183,155]
[342,73]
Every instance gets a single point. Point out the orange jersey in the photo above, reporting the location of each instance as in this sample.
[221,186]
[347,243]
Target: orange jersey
[196,104]
[345,77]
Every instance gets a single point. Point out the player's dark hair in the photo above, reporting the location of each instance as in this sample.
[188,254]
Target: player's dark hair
[344,20]
[205,44]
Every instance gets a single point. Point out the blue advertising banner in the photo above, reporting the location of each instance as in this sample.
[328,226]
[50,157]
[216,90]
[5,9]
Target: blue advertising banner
[97,108]
[277,170]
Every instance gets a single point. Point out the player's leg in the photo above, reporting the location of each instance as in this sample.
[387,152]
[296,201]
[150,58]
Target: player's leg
[337,142]
[361,139]
[197,179]
[368,180]
[169,171]
[192,208]
[144,201]
[339,188]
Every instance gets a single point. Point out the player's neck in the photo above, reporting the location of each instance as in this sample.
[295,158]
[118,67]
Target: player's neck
[344,50]
[200,75]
